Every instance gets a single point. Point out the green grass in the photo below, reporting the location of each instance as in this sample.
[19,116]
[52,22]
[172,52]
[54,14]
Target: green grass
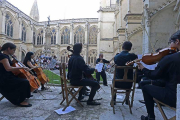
[55,79]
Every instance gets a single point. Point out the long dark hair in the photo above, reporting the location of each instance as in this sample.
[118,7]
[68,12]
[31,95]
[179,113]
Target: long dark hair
[28,57]
[8,45]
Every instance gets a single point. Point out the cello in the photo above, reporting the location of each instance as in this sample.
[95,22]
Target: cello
[40,74]
[22,73]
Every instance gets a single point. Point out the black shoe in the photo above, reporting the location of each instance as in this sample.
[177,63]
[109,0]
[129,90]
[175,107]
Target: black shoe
[35,91]
[93,103]
[31,95]
[80,98]
[142,101]
[29,105]
[146,118]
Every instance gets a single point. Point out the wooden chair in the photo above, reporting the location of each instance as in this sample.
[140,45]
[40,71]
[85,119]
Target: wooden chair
[115,90]
[162,111]
[68,89]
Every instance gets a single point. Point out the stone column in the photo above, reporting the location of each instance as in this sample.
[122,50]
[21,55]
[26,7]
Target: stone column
[86,40]
[44,35]
[178,103]
[3,19]
[20,28]
[57,36]
[72,34]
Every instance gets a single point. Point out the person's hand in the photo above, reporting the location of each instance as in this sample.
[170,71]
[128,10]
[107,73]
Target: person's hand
[26,68]
[140,66]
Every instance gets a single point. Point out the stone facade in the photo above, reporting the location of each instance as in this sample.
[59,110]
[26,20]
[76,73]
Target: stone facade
[148,25]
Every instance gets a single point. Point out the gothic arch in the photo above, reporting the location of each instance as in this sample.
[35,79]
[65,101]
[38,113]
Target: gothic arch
[79,35]
[40,36]
[93,32]
[64,56]
[135,31]
[9,24]
[92,57]
[65,35]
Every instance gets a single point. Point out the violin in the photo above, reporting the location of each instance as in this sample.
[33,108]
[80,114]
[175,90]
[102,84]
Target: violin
[22,73]
[150,59]
[40,74]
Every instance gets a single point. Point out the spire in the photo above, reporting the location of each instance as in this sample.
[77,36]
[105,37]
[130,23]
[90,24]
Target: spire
[34,14]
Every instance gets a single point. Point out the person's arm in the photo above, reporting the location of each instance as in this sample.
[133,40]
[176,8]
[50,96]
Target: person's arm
[85,68]
[105,61]
[8,67]
[158,72]
[97,61]
[31,66]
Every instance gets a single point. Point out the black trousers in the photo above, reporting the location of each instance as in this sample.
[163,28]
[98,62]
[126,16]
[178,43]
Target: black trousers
[159,83]
[162,94]
[87,82]
[103,75]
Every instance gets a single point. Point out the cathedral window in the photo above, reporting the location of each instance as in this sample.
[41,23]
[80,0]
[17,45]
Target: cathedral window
[93,35]
[65,36]
[92,57]
[40,38]
[79,35]
[53,36]
[8,26]
[23,35]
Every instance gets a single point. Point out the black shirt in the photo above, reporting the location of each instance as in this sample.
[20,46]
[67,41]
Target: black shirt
[76,66]
[168,69]
[120,60]
[104,61]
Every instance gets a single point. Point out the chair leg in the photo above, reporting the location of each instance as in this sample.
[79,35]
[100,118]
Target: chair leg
[1,98]
[73,97]
[161,110]
[129,106]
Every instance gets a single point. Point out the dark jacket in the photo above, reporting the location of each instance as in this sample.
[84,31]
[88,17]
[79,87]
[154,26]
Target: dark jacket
[120,60]
[76,66]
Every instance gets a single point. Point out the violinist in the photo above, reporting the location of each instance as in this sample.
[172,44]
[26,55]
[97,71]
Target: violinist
[28,62]
[14,89]
[120,60]
[76,67]
[102,73]
[168,69]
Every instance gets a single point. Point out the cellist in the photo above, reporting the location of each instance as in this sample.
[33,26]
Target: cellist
[14,89]
[28,62]
[168,69]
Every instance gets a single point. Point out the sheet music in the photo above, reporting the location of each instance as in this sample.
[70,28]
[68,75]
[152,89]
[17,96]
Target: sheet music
[99,67]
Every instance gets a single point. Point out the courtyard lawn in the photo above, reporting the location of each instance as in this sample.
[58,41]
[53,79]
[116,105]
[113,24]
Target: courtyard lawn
[54,78]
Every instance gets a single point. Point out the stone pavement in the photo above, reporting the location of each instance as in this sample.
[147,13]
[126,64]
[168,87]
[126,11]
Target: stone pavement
[43,108]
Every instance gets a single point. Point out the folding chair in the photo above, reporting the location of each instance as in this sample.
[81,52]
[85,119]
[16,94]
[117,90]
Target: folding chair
[115,90]
[68,89]
[162,111]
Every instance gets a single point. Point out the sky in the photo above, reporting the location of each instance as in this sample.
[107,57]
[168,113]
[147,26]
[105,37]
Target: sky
[60,9]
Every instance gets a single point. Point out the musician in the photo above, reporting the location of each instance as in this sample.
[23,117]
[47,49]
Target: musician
[120,60]
[102,73]
[14,89]
[168,69]
[29,62]
[76,67]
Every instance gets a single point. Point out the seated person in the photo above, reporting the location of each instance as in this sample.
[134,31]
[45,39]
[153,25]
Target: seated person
[76,67]
[168,69]
[120,60]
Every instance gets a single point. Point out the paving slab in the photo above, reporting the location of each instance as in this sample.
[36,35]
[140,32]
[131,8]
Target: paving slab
[43,108]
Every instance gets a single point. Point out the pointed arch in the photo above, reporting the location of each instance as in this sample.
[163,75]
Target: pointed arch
[53,35]
[40,37]
[9,24]
[92,57]
[79,35]
[65,35]
[64,56]
[93,32]
[24,31]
